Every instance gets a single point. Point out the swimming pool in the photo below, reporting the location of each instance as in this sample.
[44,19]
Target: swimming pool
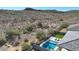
[50,45]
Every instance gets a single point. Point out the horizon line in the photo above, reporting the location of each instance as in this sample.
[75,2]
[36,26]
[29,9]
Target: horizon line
[42,8]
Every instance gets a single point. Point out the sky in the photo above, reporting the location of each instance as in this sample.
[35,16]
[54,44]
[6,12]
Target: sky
[43,8]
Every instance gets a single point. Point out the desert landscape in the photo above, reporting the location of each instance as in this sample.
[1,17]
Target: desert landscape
[20,28]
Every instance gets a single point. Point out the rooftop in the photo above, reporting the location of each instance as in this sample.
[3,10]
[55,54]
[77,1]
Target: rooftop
[71,39]
[74,27]
[70,36]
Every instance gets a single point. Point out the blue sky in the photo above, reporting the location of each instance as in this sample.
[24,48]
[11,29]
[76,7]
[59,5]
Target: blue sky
[43,8]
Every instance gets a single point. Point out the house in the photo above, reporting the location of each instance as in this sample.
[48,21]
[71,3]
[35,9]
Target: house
[69,42]
[74,27]
[71,39]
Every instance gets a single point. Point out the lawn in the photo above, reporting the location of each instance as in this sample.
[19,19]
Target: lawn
[60,36]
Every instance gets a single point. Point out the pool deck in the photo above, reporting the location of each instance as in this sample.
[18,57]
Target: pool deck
[52,39]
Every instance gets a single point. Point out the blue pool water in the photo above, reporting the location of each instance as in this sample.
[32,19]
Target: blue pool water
[50,45]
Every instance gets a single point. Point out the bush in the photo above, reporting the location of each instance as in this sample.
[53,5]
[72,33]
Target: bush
[26,47]
[2,42]
[61,20]
[50,31]
[26,40]
[39,25]
[2,39]
[46,27]
[11,33]
[41,36]
[64,25]
[28,29]
[16,43]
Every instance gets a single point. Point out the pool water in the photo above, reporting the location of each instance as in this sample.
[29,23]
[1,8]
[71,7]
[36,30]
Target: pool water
[50,45]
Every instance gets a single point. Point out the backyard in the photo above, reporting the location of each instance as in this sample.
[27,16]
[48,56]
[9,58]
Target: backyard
[60,36]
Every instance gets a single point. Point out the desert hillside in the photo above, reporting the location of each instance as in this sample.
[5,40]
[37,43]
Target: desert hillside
[18,27]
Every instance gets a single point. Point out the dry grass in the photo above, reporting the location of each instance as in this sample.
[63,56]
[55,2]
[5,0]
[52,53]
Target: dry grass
[39,20]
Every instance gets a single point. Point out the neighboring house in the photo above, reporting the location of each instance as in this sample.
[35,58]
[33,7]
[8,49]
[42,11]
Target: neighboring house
[71,39]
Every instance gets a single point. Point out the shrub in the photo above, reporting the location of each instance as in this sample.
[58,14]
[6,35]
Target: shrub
[17,49]
[2,39]
[16,43]
[46,26]
[61,20]
[26,47]
[2,42]
[11,33]
[64,25]
[39,25]
[41,36]
[28,29]
[26,40]
[50,31]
